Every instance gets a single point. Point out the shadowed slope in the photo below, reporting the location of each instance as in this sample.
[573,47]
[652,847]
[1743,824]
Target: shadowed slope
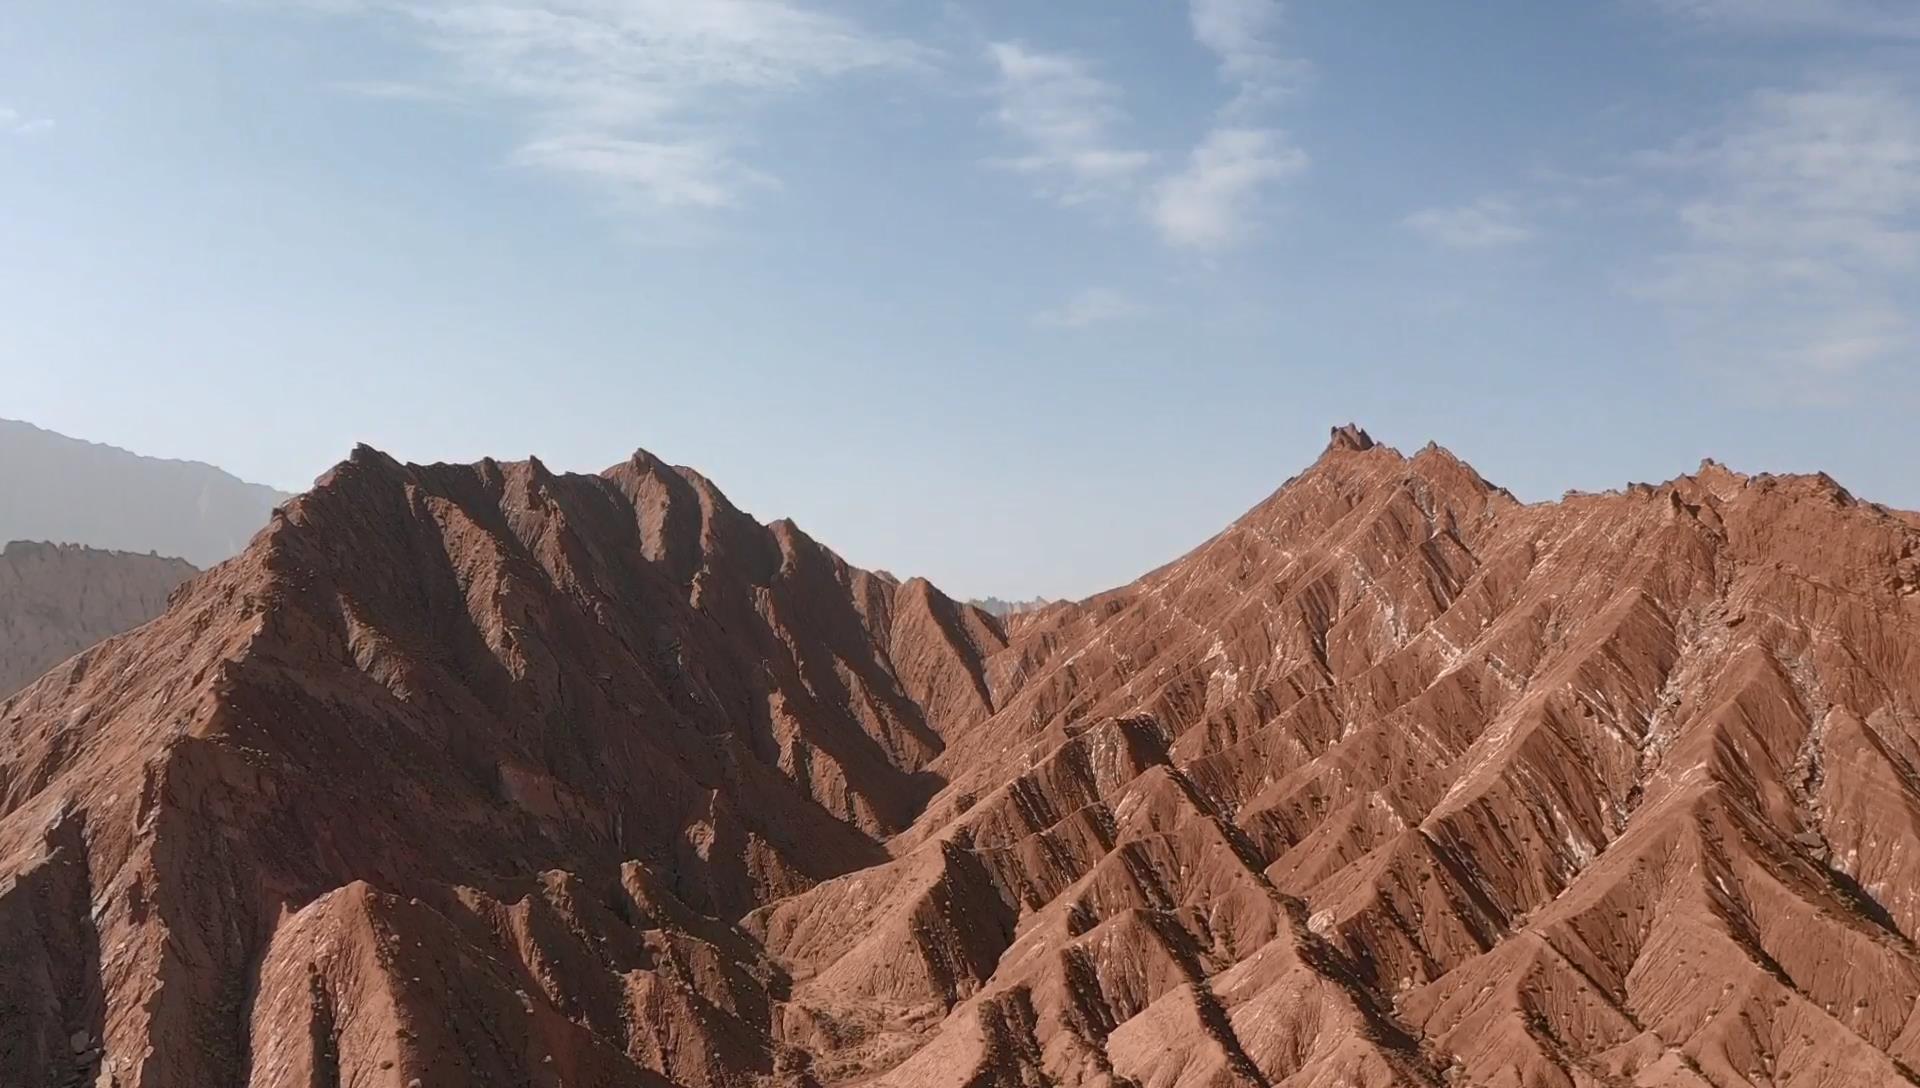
[440,682]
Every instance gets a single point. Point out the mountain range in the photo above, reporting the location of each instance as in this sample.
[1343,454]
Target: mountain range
[68,491]
[466,774]
[1004,608]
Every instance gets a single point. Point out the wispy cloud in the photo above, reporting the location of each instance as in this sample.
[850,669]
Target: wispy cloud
[1863,18]
[1214,202]
[1092,306]
[13,123]
[650,100]
[1245,36]
[1800,228]
[1487,223]
[1067,118]
[1211,203]
[1064,116]
[666,174]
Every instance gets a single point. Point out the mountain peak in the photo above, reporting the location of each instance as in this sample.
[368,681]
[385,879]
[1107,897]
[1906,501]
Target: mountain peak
[1349,436]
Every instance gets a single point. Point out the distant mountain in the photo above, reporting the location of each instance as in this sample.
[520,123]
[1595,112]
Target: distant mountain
[997,607]
[59,599]
[63,489]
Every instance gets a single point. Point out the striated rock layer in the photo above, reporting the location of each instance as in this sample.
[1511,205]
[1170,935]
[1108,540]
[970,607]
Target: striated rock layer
[59,599]
[484,774]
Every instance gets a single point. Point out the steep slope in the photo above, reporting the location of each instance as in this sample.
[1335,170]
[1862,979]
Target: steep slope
[63,489]
[59,599]
[441,774]
[480,773]
[1616,790]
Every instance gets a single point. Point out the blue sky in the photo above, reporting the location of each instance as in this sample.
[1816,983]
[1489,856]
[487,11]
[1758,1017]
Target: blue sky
[1024,297]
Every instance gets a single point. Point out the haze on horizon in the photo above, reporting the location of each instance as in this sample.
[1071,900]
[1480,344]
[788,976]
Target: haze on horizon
[1025,299]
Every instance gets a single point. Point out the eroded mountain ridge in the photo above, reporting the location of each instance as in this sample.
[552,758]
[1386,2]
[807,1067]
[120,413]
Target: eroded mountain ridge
[487,774]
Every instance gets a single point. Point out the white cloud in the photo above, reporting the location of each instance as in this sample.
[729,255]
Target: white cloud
[1244,35]
[668,175]
[13,123]
[1064,115]
[1212,203]
[1208,204]
[1863,18]
[1092,306]
[1799,230]
[1830,169]
[1484,224]
[1856,338]
[644,98]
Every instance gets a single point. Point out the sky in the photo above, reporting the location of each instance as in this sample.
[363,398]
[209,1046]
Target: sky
[1026,298]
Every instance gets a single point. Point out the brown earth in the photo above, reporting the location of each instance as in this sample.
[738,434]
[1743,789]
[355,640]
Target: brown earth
[59,599]
[484,774]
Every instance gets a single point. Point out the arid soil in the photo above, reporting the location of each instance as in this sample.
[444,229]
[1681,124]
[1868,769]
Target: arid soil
[489,775]
[59,599]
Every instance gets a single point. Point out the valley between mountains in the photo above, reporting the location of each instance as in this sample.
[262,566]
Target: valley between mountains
[487,774]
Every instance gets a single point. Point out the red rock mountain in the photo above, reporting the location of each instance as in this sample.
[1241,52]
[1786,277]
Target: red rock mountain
[484,774]
[59,599]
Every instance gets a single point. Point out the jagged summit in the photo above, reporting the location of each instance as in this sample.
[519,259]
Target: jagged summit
[1349,436]
[484,772]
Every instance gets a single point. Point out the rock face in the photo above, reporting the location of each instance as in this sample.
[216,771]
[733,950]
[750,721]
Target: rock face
[488,775]
[57,488]
[59,599]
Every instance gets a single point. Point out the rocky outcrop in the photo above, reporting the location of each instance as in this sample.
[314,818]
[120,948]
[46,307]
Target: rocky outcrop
[59,599]
[485,773]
